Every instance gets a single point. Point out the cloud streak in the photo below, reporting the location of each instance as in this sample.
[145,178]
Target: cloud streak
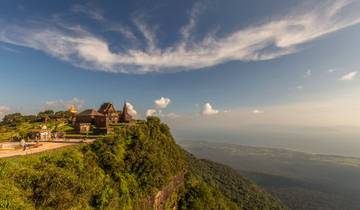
[93,14]
[257,111]
[64,104]
[266,41]
[350,76]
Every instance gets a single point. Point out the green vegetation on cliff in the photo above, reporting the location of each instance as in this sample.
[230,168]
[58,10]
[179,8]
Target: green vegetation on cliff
[245,193]
[140,167]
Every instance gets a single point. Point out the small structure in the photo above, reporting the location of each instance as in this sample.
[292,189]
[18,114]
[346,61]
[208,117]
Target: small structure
[72,109]
[125,117]
[42,134]
[84,127]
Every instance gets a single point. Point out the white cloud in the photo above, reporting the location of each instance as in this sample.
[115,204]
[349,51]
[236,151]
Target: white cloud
[162,102]
[273,39]
[131,109]
[350,76]
[257,111]
[308,73]
[4,110]
[64,104]
[209,110]
[150,112]
[331,70]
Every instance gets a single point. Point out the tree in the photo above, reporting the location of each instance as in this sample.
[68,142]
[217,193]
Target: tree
[46,113]
[13,119]
[63,114]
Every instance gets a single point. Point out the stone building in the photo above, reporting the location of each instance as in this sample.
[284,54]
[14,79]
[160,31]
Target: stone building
[99,121]
[93,117]
[110,112]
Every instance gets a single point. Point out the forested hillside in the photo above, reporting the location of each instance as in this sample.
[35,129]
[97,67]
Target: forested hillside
[139,167]
[301,180]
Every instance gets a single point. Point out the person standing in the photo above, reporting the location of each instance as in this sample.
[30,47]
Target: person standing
[23,144]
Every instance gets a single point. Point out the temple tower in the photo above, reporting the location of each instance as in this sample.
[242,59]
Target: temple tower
[125,117]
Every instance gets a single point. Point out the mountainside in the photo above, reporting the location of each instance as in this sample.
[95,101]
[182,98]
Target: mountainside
[139,167]
[300,180]
[238,189]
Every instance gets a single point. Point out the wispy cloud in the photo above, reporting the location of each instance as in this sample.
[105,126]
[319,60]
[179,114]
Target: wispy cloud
[148,33]
[349,76]
[279,37]
[172,115]
[4,110]
[92,13]
[188,29]
[257,111]
[64,104]
[124,31]
[9,49]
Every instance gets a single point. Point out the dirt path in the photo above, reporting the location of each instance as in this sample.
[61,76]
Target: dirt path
[45,147]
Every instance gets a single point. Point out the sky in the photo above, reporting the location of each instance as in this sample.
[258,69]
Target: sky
[278,73]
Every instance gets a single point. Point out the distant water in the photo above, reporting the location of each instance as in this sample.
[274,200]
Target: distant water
[343,142]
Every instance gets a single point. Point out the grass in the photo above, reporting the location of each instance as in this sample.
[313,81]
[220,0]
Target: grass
[7,132]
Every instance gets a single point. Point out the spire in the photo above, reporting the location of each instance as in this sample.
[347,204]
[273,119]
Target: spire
[125,116]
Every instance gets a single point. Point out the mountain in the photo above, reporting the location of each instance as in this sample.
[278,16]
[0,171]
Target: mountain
[139,167]
[300,180]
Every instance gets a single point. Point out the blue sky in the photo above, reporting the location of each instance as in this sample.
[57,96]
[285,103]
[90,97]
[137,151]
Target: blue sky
[210,57]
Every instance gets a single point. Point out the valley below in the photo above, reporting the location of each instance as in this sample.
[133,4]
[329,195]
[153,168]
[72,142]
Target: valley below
[300,180]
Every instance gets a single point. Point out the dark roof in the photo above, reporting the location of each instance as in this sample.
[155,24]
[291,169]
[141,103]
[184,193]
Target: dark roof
[90,112]
[105,107]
